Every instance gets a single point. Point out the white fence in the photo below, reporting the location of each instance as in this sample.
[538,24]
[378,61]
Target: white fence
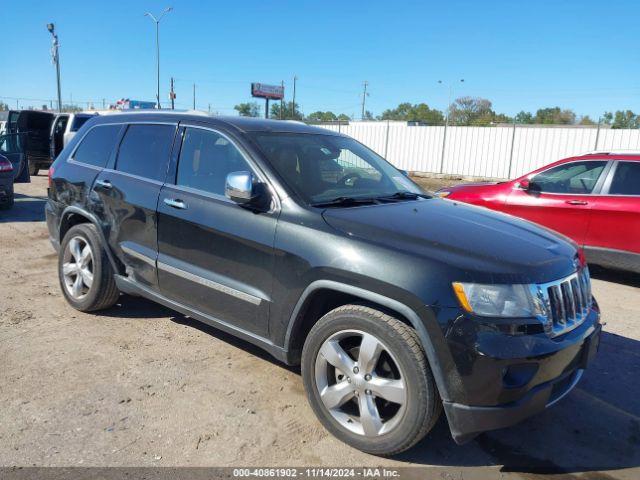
[498,152]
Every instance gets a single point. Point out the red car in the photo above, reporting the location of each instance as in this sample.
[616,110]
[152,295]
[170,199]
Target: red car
[593,199]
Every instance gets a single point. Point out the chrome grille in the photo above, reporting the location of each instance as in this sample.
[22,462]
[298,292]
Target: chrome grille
[567,302]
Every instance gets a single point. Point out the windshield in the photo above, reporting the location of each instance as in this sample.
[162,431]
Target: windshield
[323,168]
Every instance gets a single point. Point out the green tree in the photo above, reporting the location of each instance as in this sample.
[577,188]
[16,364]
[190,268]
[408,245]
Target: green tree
[249,109]
[290,113]
[4,106]
[471,111]
[555,116]
[586,120]
[343,117]
[368,116]
[607,118]
[320,116]
[524,117]
[421,112]
[625,119]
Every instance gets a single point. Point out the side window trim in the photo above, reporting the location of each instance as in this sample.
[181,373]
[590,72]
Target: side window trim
[606,188]
[599,184]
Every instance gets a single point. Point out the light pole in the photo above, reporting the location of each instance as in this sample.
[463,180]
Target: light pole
[55,56]
[446,123]
[364,97]
[157,22]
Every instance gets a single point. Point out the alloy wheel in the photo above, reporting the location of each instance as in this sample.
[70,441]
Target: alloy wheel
[360,383]
[77,267]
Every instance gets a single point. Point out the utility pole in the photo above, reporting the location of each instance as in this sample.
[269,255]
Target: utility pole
[364,96]
[104,105]
[209,109]
[293,104]
[446,124]
[172,95]
[282,101]
[194,96]
[55,55]
[157,22]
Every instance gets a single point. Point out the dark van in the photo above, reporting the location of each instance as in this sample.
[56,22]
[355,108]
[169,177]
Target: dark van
[33,127]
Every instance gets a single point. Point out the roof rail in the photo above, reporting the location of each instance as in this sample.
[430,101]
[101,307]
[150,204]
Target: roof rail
[163,111]
[612,152]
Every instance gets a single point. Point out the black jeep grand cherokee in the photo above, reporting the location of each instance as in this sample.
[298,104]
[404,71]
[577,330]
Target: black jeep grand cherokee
[308,244]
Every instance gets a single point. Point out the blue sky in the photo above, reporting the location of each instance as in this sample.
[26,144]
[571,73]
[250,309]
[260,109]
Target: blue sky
[582,55]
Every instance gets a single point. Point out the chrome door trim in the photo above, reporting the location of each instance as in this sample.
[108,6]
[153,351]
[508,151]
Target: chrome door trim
[138,255]
[210,284]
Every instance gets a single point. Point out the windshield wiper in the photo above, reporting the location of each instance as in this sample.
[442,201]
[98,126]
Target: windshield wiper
[344,202]
[403,195]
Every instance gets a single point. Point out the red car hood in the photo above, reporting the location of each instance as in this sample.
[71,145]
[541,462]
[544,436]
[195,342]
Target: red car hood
[465,186]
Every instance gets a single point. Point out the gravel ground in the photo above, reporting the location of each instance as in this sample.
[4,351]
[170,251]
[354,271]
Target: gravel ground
[141,385]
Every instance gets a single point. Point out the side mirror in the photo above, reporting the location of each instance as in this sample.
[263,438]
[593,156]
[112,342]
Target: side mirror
[524,184]
[239,187]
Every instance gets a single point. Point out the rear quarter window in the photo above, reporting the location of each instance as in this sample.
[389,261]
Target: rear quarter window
[626,180]
[97,145]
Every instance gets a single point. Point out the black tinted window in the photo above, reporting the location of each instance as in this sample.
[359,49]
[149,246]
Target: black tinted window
[144,150]
[97,145]
[575,177]
[206,158]
[626,180]
[78,121]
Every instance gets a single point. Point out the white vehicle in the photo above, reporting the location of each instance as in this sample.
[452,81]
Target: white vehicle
[64,128]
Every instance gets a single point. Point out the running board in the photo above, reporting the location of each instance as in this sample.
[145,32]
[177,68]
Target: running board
[127,285]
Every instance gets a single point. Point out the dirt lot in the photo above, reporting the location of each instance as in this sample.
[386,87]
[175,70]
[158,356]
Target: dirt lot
[140,385]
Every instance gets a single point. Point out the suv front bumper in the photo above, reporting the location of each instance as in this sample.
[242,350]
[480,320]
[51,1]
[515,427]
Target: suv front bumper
[467,421]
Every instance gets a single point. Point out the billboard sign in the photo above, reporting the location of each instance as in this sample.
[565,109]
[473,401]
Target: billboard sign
[262,90]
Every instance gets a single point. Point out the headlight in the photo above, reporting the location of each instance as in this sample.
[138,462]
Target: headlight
[514,301]
[443,193]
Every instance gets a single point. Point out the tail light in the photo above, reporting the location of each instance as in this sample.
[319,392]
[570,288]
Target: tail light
[51,172]
[5,165]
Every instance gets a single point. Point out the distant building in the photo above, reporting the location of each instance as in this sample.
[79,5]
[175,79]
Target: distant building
[127,104]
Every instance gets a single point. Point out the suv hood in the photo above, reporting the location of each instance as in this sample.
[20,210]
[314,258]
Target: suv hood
[485,246]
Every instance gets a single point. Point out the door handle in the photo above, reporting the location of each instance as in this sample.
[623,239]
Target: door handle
[104,184]
[175,203]
[577,202]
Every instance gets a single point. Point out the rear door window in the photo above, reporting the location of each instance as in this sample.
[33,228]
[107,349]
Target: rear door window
[578,178]
[626,180]
[145,150]
[97,145]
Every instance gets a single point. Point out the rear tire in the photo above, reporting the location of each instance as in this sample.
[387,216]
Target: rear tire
[34,168]
[394,418]
[7,204]
[84,270]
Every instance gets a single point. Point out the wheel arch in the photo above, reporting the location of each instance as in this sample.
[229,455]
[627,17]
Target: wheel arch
[296,331]
[72,216]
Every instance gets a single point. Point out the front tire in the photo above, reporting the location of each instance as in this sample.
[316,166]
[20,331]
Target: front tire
[85,273]
[367,380]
